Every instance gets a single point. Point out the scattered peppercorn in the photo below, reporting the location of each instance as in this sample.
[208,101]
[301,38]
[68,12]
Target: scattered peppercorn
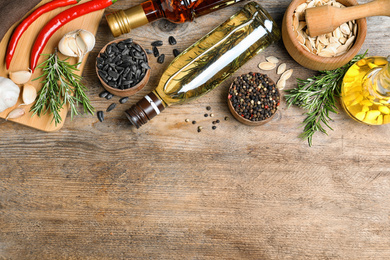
[214,127]
[206,115]
[254,96]
[193,122]
[208,108]
[187,120]
[199,130]
[211,115]
[217,121]
[226,118]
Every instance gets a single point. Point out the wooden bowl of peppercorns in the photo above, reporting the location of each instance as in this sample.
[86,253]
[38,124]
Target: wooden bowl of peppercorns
[253,99]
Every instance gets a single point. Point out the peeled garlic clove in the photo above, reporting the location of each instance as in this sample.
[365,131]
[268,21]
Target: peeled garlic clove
[20,77]
[72,44]
[29,94]
[88,38]
[64,47]
[16,113]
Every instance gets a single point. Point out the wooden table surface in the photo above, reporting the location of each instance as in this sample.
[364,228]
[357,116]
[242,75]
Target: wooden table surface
[108,191]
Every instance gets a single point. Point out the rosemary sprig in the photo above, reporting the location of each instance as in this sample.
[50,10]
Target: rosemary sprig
[61,87]
[317,95]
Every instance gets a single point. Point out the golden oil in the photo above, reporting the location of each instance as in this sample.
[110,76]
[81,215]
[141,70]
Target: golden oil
[365,91]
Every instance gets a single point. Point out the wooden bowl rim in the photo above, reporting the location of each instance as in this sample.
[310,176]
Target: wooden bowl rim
[359,40]
[244,120]
[124,92]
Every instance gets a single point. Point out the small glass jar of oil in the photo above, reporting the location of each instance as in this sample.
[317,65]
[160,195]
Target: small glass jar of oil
[365,91]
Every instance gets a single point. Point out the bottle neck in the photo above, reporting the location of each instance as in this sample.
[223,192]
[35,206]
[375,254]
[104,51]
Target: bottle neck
[147,108]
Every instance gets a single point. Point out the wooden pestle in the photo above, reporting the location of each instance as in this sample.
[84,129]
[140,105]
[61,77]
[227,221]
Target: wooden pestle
[325,19]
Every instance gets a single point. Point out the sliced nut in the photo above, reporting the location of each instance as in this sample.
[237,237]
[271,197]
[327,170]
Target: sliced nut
[287,74]
[281,84]
[267,65]
[281,68]
[272,59]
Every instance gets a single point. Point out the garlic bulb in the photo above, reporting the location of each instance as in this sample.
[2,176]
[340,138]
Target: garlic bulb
[77,44]
[9,93]
[20,77]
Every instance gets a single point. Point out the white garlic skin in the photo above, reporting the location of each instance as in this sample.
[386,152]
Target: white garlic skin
[9,93]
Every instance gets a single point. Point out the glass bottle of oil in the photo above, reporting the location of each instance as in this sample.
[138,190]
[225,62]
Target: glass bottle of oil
[365,91]
[209,61]
[177,11]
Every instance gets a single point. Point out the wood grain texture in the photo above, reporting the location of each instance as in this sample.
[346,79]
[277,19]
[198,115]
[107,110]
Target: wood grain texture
[108,191]
[20,61]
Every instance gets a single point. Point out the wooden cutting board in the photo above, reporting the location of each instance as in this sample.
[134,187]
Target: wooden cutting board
[20,61]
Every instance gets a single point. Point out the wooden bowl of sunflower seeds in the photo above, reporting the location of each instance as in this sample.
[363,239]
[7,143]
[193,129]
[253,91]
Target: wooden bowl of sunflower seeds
[253,99]
[324,52]
[122,67]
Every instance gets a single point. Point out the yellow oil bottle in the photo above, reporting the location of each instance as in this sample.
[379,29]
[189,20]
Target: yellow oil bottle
[365,91]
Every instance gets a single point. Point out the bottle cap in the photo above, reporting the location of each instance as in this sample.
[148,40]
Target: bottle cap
[147,108]
[121,22]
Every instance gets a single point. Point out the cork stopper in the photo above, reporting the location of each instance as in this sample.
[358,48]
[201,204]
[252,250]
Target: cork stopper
[147,108]
[122,22]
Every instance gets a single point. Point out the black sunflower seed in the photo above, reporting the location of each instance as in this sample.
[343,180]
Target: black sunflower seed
[172,40]
[100,115]
[109,96]
[157,43]
[123,100]
[156,53]
[103,94]
[161,58]
[111,107]
[176,52]
[145,65]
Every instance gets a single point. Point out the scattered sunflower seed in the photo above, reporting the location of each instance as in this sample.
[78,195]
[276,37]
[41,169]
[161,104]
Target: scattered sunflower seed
[100,115]
[103,94]
[172,40]
[111,107]
[161,58]
[123,100]
[176,52]
[156,53]
[157,43]
[109,96]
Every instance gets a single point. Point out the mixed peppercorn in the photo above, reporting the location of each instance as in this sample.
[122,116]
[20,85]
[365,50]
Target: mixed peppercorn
[254,96]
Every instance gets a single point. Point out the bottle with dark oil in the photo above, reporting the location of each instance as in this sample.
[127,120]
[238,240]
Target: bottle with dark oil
[208,62]
[177,11]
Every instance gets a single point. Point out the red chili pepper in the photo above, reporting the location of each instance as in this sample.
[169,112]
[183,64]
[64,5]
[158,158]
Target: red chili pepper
[61,19]
[23,26]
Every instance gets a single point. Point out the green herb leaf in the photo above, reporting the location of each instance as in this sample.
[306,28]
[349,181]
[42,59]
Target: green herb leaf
[317,96]
[61,87]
